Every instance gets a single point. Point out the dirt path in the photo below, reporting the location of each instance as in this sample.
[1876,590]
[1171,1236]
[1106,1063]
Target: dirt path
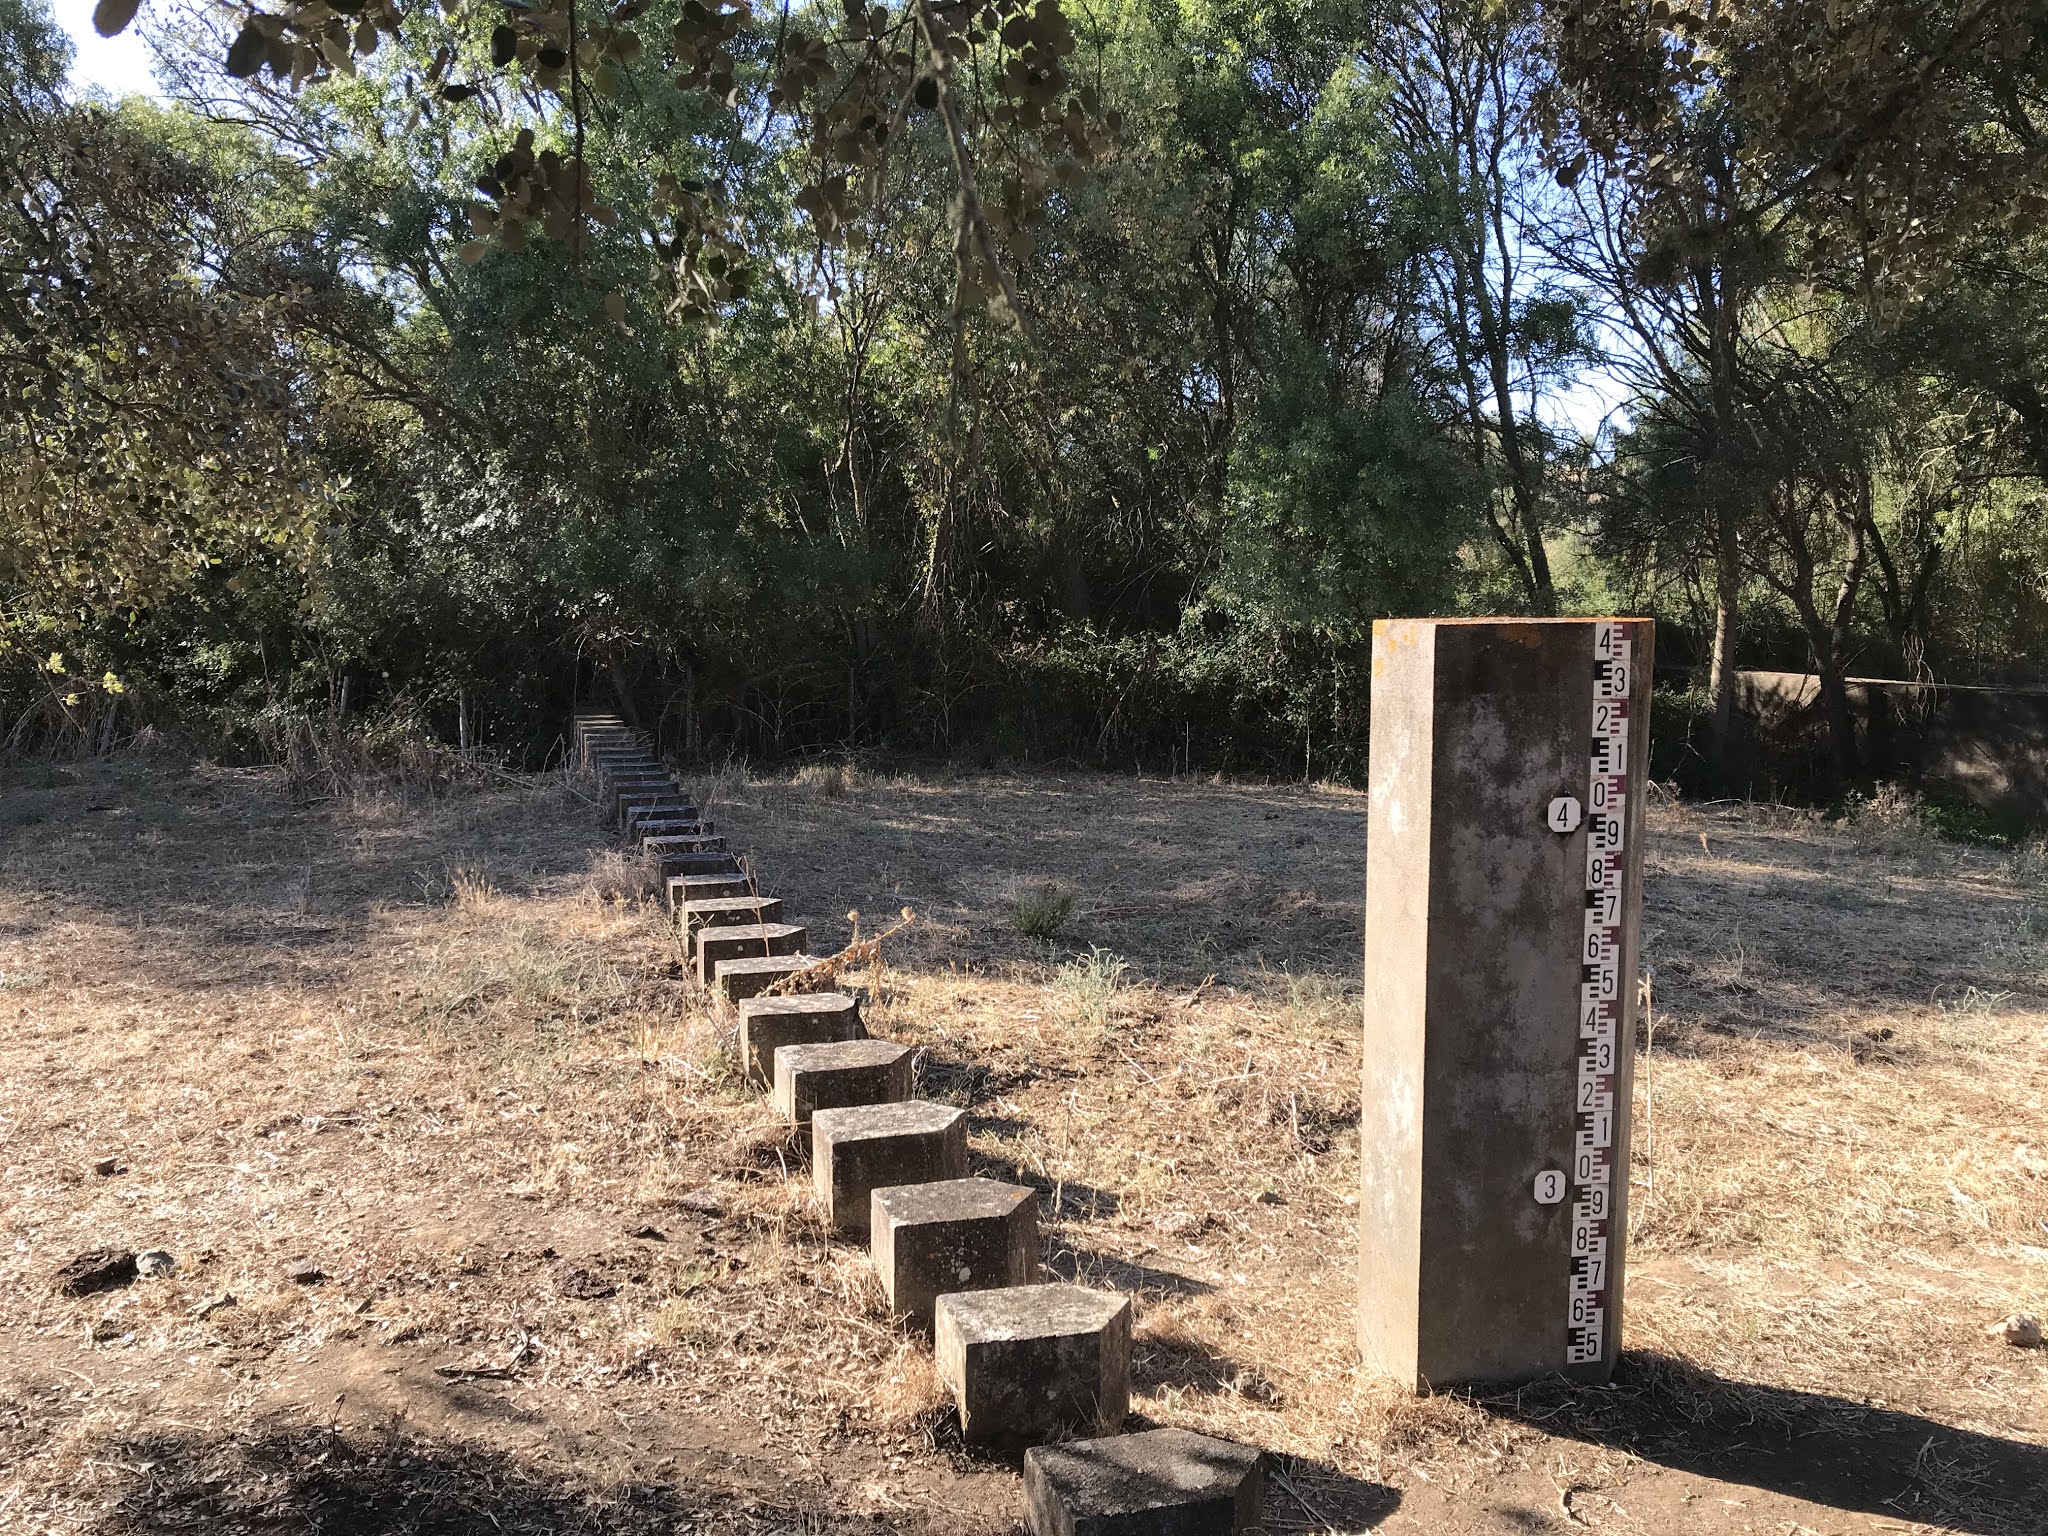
[421,1085]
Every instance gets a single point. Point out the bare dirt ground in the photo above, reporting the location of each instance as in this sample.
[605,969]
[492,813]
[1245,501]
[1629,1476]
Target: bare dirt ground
[475,1228]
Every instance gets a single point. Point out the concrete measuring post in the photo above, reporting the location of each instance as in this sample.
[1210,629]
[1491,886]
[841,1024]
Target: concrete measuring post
[1502,927]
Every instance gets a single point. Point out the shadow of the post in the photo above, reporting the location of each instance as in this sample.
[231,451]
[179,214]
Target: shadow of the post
[1830,1451]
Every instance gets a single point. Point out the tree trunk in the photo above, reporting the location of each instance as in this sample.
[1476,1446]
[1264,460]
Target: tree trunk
[1727,595]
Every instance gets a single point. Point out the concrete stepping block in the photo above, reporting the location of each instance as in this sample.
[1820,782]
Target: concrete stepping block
[725,912]
[695,842]
[684,889]
[1035,1362]
[663,806]
[730,943]
[1160,1482]
[666,821]
[751,975]
[682,862]
[856,1151]
[960,1235]
[622,798]
[795,1018]
[838,1074]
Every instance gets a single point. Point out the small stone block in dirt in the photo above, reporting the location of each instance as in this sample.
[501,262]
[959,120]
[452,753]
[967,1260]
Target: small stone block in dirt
[696,864]
[684,889]
[663,842]
[855,1152]
[726,912]
[960,1235]
[794,1018]
[641,782]
[665,820]
[1163,1482]
[751,975]
[741,939]
[1035,1363]
[659,826]
[838,1075]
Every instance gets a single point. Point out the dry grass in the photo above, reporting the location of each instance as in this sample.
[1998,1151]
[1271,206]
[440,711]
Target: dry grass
[446,1051]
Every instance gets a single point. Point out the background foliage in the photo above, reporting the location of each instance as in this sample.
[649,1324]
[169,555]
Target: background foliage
[1306,312]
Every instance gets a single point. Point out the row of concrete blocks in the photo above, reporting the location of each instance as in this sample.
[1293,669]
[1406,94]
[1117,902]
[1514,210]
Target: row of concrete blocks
[1027,1363]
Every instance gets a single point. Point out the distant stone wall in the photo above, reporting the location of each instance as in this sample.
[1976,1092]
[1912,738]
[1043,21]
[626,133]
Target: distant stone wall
[1987,747]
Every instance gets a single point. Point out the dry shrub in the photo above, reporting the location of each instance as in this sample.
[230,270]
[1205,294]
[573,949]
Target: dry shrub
[829,780]
[620,877]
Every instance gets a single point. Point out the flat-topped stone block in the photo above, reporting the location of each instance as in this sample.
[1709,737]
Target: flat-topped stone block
[725,912]
[653,794]
[1035,1362]
[1161,1482]
[660,843]
[854,1152]
[620,769]
[684,889]
[793,1018]
[642,811]
[667,821]
[751,975]
[959,1235]
[838,1074]
[682,862]
[739,939]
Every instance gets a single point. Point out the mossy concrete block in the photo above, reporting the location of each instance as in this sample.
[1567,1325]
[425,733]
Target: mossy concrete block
[684,889]
[854,1152]
[1162,1482]
[741,939]
[1035,1363]
[751,975]
[959,1235]
[838,1074]
[798,1018]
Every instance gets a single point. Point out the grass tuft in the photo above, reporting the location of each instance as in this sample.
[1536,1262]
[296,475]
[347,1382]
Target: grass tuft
[1042,912]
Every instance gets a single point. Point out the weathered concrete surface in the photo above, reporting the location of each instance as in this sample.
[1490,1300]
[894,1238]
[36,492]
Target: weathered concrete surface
[741,939]
[750,975]
[681,820]
[1035,1362]
[725,912]
[684,889]
[650,793]
[959,1235]
[1161,1482]
[796,1018]
[684,863]
[1475,925]
[837,1074]
[856,1151]
[660,843]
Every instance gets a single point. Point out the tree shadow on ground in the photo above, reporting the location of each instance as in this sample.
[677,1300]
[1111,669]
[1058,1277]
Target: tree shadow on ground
[315,1481]
[1827,1450]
